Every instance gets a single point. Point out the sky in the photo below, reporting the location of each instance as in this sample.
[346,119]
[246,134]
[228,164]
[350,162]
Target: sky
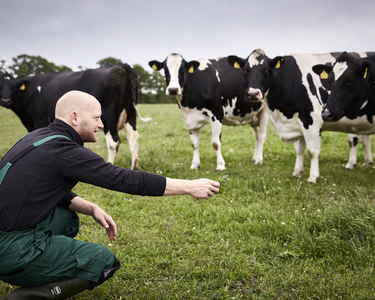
[81,32]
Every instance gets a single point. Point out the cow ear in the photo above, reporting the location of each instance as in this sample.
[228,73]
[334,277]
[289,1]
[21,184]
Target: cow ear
[23,84]
[366,68]
[277,62]
[155,65]
[322,70]
[192,66]
[236,62]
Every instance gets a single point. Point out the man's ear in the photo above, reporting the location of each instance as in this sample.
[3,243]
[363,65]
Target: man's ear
[74,118]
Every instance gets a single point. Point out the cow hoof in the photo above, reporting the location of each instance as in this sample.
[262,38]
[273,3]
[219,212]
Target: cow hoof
[135,166]
[195,167]
[349,167]
[297,174]
[220,168]
[311,180]
[367,163]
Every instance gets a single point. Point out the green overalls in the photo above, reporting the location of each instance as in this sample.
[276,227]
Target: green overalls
[49,253]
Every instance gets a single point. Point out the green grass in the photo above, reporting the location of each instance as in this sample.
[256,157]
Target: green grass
[268,236]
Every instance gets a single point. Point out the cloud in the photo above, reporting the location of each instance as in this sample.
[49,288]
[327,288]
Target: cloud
[81,32]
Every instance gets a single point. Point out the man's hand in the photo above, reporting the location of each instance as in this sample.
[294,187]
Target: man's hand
[86,207]
[199,188]
[203,188]
[101,217]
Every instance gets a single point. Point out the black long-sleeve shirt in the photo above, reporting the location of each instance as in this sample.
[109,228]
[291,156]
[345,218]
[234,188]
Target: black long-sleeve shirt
[45,176]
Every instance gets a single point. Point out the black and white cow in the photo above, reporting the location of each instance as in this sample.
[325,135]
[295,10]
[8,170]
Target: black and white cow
[294,98]
[209,91]
[33,99]
[352,97]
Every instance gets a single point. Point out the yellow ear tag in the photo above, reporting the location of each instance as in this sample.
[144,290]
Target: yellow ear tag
[154,67]
[236,65]
[324,75]
[277,65]
[365,75]
[191,70]
[22,87]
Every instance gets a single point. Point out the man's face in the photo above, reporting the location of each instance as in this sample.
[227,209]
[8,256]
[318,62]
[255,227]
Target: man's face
[90,123]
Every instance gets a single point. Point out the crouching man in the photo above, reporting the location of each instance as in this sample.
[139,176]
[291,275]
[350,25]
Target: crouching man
[38,219]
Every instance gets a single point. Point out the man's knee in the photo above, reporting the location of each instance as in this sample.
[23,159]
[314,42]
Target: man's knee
[107,273]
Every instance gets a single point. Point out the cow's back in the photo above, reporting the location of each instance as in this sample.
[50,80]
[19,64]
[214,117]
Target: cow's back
[108,84]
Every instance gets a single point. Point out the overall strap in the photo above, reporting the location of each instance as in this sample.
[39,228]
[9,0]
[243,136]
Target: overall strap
[5,169]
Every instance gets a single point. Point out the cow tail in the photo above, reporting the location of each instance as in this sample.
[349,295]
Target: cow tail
[134,91]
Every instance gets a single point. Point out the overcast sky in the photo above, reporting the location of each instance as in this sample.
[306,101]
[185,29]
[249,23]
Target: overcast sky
[81,32]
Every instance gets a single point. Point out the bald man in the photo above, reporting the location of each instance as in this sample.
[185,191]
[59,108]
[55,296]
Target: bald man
[38,219]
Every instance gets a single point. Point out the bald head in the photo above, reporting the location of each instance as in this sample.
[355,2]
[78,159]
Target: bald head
[76,101]
[82,112]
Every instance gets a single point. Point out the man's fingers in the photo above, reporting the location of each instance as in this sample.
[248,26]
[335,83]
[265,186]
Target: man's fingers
[112,229]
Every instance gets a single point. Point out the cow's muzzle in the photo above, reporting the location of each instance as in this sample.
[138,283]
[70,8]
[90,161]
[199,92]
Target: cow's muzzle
[173,91]
[254,95]
[327,116]
[5,102]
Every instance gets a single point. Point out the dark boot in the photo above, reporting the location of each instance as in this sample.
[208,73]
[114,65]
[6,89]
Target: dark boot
[54,290]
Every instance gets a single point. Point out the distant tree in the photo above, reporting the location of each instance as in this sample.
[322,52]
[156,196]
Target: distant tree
[109,61]
[159,86]
[143,76]
[62,68]
[2,69]
[26,65]
[151,86]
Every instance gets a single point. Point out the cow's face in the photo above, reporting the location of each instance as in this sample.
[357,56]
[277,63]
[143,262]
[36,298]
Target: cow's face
[175,69]
[175,74]
[351,89]
[257,69]
[8,87]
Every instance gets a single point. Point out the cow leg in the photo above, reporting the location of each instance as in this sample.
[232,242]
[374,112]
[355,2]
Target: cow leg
[313,144]
[194,137]
[216,127]
[300,147]
[353,141]
[112,147]
[256,159]
[133,140]
[366,143]
[260,136]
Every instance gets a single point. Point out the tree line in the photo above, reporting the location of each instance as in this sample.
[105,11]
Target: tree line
[151,85]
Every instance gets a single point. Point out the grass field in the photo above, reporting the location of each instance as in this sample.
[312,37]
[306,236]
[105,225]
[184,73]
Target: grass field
[267,236]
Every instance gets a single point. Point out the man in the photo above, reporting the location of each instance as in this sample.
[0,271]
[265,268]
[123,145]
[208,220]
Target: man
[38,209]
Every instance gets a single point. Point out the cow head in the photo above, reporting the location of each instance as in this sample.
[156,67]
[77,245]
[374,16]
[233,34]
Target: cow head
[175,69]
[351,82]
[257,69]
[9,88]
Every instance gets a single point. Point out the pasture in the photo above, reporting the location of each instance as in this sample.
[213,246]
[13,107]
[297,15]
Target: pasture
[267,235]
